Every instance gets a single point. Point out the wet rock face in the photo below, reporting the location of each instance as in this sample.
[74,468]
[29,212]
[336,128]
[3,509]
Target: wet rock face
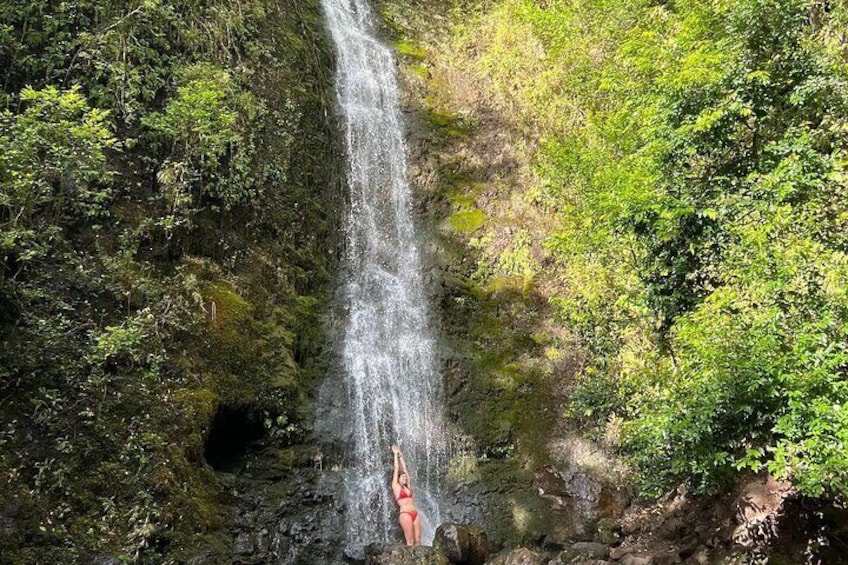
[462,544]
[297,521]
[378,554]
[468,502]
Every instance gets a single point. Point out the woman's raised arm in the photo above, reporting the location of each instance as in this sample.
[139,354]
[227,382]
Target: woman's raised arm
[405,471]
[396,471]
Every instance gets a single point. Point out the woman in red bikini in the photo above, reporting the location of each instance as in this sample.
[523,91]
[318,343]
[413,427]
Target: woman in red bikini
[409,520]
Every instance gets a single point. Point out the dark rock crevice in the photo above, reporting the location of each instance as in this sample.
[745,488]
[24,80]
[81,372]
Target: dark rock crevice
[234,431]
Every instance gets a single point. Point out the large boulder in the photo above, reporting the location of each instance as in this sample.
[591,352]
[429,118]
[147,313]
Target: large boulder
[520,556]
[378,554]
[462,544]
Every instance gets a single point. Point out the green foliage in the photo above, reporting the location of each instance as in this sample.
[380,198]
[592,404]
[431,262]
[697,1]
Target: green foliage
[207,125]
[736,255]
[125,339]
[695,155]
[141,176]
[52,165]
[201,118]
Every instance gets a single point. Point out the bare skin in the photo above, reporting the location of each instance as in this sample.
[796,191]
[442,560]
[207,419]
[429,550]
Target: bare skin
[400,484]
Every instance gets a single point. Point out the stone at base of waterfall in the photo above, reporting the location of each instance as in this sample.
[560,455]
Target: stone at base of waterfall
[462,544]
[584,551]
[520,556]
[379,554]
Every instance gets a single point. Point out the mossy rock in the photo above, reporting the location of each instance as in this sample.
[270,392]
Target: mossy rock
[410,48]
[467,221]
[230,315]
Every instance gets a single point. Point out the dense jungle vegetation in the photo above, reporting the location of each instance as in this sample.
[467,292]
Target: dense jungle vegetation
[672,213]
[683,212]
[703,236]
[164,251]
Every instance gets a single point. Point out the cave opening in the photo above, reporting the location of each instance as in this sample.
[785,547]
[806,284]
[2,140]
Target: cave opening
[234,432]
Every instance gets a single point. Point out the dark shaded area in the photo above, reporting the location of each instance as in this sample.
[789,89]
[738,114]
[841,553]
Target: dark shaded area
[176,312]
[812,527]
[233,431]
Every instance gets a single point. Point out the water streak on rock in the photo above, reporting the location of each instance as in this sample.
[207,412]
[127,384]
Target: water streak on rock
[388,348]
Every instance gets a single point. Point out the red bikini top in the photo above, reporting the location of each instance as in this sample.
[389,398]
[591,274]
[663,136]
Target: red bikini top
[404,495]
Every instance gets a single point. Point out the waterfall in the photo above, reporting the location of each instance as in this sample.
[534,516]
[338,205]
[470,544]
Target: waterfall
[388,347]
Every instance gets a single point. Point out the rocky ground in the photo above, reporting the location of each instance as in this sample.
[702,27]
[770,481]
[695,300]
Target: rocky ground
[763,522]
[289,508]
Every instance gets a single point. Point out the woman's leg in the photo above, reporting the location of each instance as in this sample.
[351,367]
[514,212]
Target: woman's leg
[408,528]
[417,527]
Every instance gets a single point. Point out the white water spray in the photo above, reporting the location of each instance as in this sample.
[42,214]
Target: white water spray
[388,347]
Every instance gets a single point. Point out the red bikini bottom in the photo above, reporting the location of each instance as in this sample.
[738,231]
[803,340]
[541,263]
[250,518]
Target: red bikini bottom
[412,513]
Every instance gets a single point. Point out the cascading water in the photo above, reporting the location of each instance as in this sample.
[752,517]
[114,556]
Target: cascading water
[388,347]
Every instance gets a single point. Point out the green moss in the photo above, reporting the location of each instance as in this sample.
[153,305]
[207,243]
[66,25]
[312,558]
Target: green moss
[229,313]
[448,125]
[409,48]
[505,404]
[196,405]
[505,285]
[441,120]
[197,408]
[467,221]
[420,70]
[463,467]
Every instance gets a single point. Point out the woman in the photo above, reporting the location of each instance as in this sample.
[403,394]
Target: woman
[409,519]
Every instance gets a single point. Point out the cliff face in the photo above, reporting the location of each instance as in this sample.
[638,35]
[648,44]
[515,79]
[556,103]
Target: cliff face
[171,188]
[171,184]
[539,134]
[521,470]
